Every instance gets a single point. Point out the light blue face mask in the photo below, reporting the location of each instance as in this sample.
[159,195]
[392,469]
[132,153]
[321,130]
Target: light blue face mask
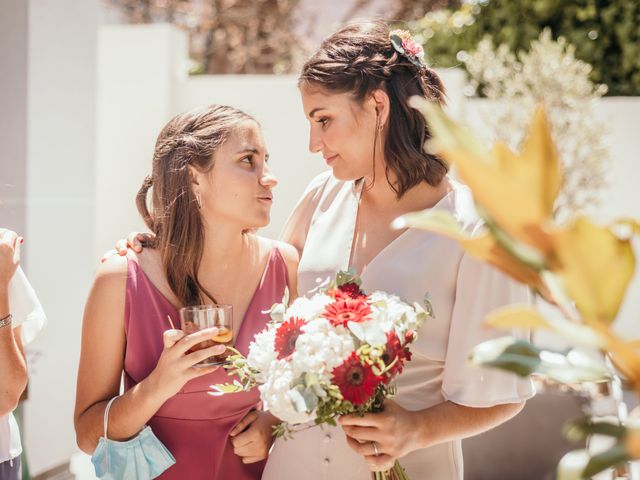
[142,457]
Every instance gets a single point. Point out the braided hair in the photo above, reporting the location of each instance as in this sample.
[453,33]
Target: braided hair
[358,59]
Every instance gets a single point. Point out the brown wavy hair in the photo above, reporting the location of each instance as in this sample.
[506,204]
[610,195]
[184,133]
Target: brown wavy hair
[190,138]
[358,59]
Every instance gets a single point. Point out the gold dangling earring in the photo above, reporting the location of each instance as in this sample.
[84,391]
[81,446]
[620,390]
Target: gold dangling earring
[198,200]
[380,137]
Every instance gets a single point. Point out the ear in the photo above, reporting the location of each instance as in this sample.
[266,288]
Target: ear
[194,174]
[382,105]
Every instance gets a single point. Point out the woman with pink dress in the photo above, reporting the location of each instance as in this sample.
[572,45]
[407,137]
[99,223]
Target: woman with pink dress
[211,188]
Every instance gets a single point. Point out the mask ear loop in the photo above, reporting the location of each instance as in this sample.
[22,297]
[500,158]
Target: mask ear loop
[106,424]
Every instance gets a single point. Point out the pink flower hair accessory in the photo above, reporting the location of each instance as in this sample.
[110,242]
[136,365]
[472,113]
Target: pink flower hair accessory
[405,45]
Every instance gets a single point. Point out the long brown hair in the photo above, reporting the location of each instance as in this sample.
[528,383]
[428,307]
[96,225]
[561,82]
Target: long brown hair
[190,138]
[360,58]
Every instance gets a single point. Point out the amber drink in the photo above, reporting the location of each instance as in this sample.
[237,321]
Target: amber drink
[199,317]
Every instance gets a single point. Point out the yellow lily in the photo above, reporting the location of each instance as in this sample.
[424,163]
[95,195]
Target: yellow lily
[596,267]
[516,191]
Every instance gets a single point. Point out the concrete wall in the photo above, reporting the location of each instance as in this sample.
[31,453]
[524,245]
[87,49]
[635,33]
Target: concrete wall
[60,211]
[13,119]
[139,70]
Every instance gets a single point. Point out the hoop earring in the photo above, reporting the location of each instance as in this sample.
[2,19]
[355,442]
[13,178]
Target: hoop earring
[198,200]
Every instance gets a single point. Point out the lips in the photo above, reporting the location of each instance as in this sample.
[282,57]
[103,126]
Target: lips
[330,159]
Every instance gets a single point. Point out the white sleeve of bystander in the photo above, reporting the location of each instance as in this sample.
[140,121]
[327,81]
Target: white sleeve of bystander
[25,307]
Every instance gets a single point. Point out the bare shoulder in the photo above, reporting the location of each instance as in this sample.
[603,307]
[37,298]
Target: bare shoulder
[288,251]
[113,268]
[292,259]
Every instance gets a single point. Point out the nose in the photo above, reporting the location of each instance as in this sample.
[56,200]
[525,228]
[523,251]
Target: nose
[268,179]
[315,141]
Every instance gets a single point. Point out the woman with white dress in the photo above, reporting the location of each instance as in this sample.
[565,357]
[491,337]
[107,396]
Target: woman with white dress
[355,92]
[21,318]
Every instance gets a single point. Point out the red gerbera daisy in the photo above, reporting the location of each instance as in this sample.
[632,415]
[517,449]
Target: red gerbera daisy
[345,310]
[347,290]
[286,336]
[357,382]
[393,350]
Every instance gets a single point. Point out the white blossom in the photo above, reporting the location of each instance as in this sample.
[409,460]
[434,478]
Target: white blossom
[548,73]
[321,348]
[278,396]
[262,353]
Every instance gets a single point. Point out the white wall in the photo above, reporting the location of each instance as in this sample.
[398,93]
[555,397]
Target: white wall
[13,118]
[621,198]
[139,69]
[60,213]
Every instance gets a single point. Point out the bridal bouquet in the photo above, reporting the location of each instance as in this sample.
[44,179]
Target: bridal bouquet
[332,354]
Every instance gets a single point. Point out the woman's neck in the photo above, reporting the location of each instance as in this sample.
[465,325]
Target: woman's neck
[224,246]
[381,197]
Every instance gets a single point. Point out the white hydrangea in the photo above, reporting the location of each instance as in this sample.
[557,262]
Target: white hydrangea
[308,308]
[262,353]
[277,395]
[321,348]
[392,313]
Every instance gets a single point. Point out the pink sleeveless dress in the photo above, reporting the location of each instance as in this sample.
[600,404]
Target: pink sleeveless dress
[193,425]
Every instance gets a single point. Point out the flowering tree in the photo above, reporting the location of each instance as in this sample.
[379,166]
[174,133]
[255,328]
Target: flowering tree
[401,10]
[548,72]
[228,36]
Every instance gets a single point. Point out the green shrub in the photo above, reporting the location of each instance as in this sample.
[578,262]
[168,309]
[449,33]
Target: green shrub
[605,33]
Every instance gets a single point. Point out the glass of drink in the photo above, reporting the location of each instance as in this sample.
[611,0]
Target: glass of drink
[199,317]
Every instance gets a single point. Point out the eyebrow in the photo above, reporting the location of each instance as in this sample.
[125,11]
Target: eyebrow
[314,111]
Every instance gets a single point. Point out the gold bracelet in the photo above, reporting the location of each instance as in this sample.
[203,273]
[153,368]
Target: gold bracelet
[6,321]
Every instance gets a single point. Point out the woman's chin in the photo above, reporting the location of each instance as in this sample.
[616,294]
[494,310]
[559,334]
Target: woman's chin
[344,175]
[260,222]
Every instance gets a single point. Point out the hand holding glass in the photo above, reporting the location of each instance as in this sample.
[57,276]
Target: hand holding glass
[198,317]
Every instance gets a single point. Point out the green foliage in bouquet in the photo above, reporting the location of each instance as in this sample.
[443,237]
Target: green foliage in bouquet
[580,267]
[604,33]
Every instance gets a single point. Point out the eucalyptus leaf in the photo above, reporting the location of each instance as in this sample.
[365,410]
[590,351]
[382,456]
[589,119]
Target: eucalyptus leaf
[428,305]
[580,429]
[519,364]
[224,388]
[310,399]
[396,41]
[507,353]
[523,359]
[349,276]
[297,399]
